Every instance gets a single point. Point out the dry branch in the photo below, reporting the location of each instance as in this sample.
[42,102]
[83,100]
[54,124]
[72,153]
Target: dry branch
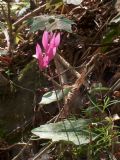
[31,14]
[67,65]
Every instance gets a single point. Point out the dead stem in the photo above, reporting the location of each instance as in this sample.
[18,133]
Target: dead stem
[67,65]
[22,150]
[43,151]
[51,79]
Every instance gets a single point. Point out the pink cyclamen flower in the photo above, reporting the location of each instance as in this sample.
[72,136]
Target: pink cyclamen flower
[50,42]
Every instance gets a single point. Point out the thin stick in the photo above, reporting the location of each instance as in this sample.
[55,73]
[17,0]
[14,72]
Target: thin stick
[43,151]
[33,13]
[22,150]
[53,81]
[23,88]
[67,65]
[13,145]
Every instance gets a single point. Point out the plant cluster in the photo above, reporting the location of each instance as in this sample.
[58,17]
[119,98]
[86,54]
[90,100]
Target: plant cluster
[76,44]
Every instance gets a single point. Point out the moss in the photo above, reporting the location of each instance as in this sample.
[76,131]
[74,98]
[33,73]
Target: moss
[31,76]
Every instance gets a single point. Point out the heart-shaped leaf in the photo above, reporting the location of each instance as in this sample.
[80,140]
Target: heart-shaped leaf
[53,96]
[51,23]
[76,131]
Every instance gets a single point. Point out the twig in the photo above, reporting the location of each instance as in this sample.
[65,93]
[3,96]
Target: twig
[51,79]
[23,126]
[23,88]
[67,65]
[34,12]
[114,87]
[26,89]
[86,53]
[22,150]
[58,116]
[13,145]
[102,27]
[78,7]
[101,45]
[75,87]
[43,151]
[112,51]
[62,77]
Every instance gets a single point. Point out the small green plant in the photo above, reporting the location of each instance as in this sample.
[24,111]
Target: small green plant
[103,125]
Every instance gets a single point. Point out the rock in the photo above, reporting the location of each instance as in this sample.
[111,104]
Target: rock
[16,106]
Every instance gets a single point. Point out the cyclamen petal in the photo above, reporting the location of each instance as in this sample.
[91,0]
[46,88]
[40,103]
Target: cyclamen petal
[38,51]
[39,56]
[51,53]
[44,64]
[57,40]
[46,61]
[52,42]
[54,51]
[45,39]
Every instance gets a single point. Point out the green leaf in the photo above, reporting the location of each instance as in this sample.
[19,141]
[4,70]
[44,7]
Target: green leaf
[61,23]
[38,23]
[76,131]
[51,23]
[50,97]
[98,88]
